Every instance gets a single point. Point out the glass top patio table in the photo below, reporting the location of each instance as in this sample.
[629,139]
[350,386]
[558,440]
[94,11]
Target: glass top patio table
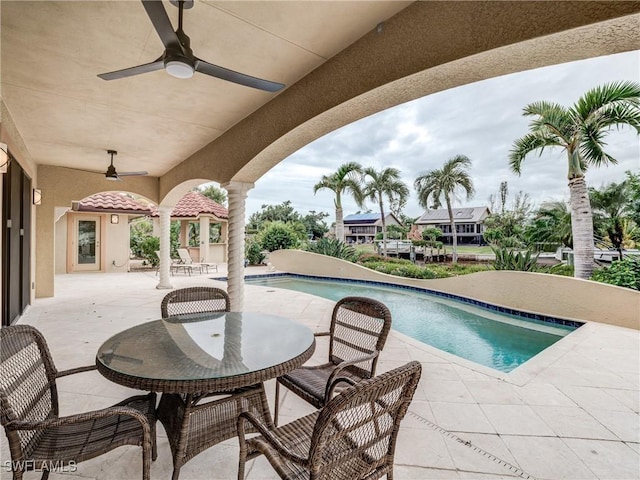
[213,352]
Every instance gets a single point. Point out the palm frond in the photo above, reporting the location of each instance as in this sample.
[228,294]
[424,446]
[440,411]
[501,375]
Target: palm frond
[529,143]
[604,95]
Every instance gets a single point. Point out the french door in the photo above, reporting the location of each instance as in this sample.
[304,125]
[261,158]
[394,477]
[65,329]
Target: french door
[87,244]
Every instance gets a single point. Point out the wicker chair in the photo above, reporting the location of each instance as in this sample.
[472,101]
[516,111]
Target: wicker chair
[195,422]
[41,440]
[194,300]
[358,332]
[352,438]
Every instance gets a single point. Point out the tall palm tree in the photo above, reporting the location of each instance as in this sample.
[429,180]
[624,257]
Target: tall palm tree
[580,131]
[348,178]
[385,183]
[444,183]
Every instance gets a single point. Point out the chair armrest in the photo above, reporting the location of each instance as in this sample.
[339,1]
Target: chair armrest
[73,371]
[333,384]
[322,334]
[268,436]
[83,417]
[338,371]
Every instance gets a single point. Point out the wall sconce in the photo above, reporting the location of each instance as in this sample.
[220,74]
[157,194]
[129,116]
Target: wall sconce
[115,218]
[4,157]
[37,196]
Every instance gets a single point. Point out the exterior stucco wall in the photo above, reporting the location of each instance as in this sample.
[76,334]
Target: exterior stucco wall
[550,295]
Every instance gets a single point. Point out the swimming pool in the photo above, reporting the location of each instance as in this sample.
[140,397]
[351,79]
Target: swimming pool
[498,338]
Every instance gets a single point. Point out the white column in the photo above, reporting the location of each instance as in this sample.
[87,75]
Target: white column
[165,246]
[237,195]
[204,238]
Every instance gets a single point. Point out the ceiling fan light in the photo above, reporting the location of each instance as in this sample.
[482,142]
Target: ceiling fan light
[111,177]
[178,69]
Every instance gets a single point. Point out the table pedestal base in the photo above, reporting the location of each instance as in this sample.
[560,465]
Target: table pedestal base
[196,422]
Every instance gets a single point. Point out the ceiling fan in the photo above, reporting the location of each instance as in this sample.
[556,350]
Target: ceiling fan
[178,58]
[111,173]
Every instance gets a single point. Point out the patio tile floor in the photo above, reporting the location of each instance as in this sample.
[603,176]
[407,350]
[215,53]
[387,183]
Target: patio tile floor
[572,412]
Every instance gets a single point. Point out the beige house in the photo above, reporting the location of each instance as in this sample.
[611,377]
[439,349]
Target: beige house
[363,227]
[338,62]
[469,223]
[196,208]
[94,235]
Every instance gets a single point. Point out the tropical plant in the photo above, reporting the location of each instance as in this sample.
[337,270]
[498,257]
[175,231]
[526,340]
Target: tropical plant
[505,225]
[623,273]
[333,247]
[444,183]
[149,247]
[213,193]
[278,236]
[347,179]
[253,252]
[508,259]
[580,131]
[608,205]
[383,184]
[551,224]
[632,193]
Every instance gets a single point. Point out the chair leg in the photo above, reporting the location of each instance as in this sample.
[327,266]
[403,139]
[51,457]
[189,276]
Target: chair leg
[277,405]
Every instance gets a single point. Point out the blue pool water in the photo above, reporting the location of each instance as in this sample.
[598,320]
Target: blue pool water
[497,340]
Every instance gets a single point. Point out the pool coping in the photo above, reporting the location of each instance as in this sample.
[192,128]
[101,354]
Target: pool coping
[478,303]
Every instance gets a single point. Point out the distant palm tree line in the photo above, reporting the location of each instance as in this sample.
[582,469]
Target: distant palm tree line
[579,130]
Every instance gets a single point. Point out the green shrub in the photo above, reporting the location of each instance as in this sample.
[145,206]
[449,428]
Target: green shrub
[253,252]
[277,236]
[623,273]
[563,269]
[507,259]
[333,247]
[148,248]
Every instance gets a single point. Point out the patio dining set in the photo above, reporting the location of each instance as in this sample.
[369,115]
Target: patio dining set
[208,365]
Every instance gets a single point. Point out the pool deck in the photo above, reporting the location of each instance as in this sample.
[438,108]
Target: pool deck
[572,412]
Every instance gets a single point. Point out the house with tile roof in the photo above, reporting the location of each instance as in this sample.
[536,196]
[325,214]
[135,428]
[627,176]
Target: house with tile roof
[469,222]
[196,208]
[94,234]
[363,227]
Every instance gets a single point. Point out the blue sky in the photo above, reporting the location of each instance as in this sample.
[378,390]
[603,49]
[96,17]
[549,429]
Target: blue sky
[480,120]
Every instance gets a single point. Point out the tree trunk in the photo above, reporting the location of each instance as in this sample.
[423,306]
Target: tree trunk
[339,224]
[581,228]
[384,231]
[454,234]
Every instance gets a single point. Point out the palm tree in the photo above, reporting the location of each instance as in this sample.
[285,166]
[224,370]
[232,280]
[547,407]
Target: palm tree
[385,183]
[347,178]
[551,224]
[608,212]
[580,131]
[443,183]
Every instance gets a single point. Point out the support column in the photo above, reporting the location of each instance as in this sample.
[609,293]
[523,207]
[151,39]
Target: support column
[204,238]
[237,195]
[165,247]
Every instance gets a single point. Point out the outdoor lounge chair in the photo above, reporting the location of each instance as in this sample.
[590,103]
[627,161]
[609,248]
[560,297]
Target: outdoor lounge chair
[359,330]
[352,438]
[186,259]
[41,440]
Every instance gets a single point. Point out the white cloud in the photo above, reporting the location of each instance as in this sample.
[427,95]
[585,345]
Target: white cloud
[480,120]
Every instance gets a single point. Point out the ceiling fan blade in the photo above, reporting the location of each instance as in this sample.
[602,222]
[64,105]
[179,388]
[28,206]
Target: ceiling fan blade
[236,77]
[129,72]
[162,24]
[132,174]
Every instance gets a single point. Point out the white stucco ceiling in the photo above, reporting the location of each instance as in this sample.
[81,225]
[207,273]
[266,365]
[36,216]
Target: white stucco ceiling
[52,52]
